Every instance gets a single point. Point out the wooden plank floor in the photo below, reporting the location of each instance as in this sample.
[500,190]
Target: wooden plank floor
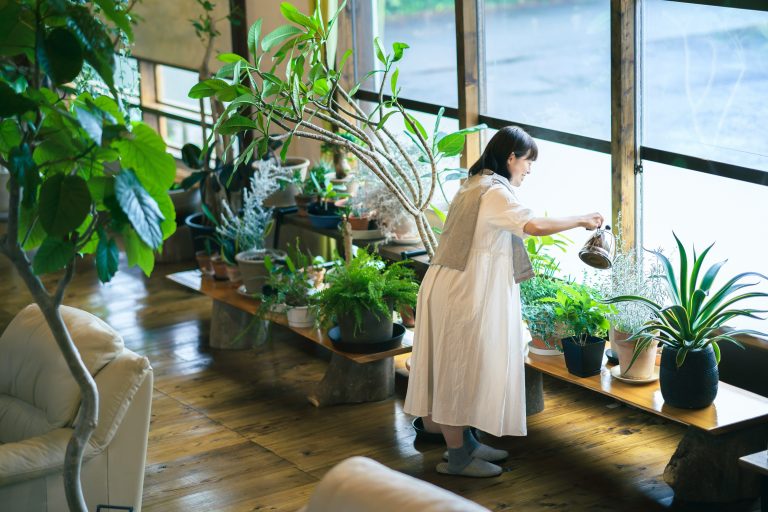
[233,431]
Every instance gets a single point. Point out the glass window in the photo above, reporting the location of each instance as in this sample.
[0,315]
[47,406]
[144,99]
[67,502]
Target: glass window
[705,75]
[703,209]
[173,84]
[548,64]
[178,133]
[428,69]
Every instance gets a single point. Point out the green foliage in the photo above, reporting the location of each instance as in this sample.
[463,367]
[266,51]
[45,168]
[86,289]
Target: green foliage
[57,144]
[315,181]
[576,308]
[292,284]
[698,311]
[367,284]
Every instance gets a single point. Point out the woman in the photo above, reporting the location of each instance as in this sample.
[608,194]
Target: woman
[467,367]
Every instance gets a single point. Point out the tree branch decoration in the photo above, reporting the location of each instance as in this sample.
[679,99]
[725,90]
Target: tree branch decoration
[309,96]
[55,141]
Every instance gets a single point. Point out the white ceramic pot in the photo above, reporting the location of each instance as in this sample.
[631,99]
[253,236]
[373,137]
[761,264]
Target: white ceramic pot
[252,269]
[643,366]
[300,317]
[286,196]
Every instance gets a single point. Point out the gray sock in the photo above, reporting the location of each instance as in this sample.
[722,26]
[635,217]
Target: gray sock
[470,443]
[458,458]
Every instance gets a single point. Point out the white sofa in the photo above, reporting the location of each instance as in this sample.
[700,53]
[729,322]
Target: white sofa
[359,484]
[39,401]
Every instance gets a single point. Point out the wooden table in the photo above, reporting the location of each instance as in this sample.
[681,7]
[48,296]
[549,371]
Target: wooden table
[349,378]
[704,468]
[758,462]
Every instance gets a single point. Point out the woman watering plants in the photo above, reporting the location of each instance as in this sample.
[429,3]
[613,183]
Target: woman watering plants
[467,367]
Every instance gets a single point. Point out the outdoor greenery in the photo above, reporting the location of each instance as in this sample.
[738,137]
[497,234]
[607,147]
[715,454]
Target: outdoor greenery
[366,284]
[698,312]
[82,177]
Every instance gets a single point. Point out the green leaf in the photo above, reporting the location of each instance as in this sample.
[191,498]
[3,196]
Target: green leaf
[207,88]
[254,34]
[10,136]
[230,57]
[235,124]
[54,254]
[17,33]
[107,258]
[683,272]
[379,51]
[145,153]
[60,56]
[27,218]
[393,82]
[669,276]
[140,208]
[95,41]
[192,155]
[230,92]
[415,122]
[100,187]
[278,36]
[91,123]
[119,18]
[452,145]
[137,252]
[108,105]
[398,49]
[12,103]
[64,204]
[291,13]
[385,118]
[321,87]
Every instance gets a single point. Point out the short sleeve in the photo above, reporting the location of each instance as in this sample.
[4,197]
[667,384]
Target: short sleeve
[501,209]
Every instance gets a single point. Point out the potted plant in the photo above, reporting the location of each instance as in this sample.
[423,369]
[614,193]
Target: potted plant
[361,296]
[290,179]
[311,187]
[584,319]
[394,221]
[691,327]
[291,288]
[324,214]
[247,231]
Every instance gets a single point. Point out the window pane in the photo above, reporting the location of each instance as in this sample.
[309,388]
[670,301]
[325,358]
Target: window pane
[548,64]
[705,72]
[709,209]
[428,69]
[179,133]
[173,84]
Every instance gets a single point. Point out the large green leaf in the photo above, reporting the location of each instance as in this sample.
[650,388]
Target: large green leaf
[683,272]
[140,208]
[64,204]
[278,36]
[137,252]
[254,34]
[452,145]
[30,229]
[697,264]
[17,34]
[236,124]
[207,88]
[291,13]
[145,153]
[60,56]
[398,49]
[54,254]
[107,258]
[95,41]
[12,103]
[10,136]
[91,123]
[192,155]
[118,17]
[669,276]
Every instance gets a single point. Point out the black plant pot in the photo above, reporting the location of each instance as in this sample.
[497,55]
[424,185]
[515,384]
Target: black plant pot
[374,328]
[584,361]
[201,233]
[693,385]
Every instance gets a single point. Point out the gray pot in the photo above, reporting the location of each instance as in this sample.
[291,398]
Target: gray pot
[251,265]
[286,196]
[185,202]
[4,195]
[374,329]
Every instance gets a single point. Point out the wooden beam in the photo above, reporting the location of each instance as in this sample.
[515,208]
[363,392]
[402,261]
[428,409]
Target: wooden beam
[623,119]
[468,40]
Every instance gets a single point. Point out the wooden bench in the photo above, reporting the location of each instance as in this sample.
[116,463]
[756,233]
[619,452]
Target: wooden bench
[705,467]
[349,378]
[758,462]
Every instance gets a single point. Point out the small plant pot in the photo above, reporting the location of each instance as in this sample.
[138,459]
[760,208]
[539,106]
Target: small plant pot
[254,273]
[643,366]
[300,317]
[323,216]
[550,347]
[201,233]
[359,223]
[219,268]
[233,273]
[694,384]
[204,263]
[185,202]
[586,360]
[302,202]
[374,328]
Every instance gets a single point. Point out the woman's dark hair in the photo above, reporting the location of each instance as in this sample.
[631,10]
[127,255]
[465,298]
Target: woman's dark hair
[508,140]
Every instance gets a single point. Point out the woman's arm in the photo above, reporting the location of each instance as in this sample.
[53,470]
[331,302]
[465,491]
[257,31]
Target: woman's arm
[541,226]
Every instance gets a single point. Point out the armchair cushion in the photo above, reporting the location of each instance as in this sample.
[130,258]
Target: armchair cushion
[38,392]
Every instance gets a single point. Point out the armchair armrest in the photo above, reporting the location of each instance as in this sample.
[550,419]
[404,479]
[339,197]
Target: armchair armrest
[33,457]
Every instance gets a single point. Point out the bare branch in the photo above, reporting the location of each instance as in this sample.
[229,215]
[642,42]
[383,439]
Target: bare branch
[68,273]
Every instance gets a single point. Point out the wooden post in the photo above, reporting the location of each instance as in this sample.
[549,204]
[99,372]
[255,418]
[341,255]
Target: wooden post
[623,115]
[468,41]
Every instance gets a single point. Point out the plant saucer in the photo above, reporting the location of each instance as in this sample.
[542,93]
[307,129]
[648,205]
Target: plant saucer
[616,374]
[405,241]
[398,331]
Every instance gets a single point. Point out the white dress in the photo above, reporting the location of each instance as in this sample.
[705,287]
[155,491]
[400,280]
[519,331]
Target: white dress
[467,366]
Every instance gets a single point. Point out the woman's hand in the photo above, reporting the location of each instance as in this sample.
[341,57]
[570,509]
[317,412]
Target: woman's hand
[591,221]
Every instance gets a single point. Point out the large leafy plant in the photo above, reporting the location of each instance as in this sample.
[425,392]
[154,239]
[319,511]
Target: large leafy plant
[82,177]
[366,284]
[698,311]
[310,95]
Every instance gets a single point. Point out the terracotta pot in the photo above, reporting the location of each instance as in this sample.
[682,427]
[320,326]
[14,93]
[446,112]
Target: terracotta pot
[643,365]
[219,267]
[551,344]
[204,263]
[359,223]
[233,273]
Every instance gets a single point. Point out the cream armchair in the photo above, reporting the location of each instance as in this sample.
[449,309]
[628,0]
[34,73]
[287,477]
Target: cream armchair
[39,401]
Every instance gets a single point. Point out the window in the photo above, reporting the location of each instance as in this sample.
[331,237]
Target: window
[173,84]
[428,69]
[705,74]
[548,64]
[702,209]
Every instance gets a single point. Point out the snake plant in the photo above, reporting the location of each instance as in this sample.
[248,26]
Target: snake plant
[698,312]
